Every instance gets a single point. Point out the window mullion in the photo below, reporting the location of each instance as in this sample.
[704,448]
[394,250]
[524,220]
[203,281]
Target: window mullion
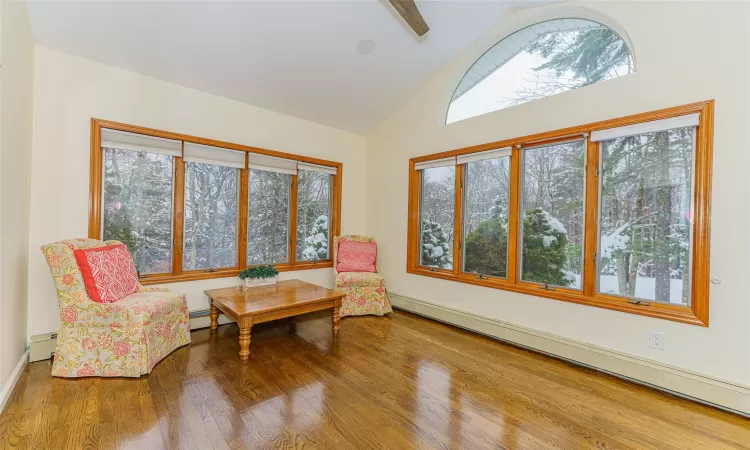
[591,228]
[458,220]
[514,215]
[335,222]
[178,220]
[242,212]
[292,250]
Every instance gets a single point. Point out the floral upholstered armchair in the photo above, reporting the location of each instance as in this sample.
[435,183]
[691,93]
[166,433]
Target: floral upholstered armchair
[365,291]
[121,339]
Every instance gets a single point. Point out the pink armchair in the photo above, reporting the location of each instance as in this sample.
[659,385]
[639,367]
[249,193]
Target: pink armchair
[365,291]
[122,339]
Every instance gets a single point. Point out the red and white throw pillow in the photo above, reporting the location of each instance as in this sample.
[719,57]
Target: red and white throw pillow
[108,272]
[357,256]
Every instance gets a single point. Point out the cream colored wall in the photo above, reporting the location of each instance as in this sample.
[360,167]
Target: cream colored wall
[69,91]
[685,52]
[16,88]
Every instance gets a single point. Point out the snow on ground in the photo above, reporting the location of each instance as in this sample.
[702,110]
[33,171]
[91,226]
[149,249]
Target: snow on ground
[572,277]
[645,288]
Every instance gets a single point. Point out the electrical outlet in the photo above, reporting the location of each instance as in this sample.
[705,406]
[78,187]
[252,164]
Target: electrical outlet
[657,340]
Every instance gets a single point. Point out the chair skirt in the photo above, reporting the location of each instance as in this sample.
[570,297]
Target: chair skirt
[365,294]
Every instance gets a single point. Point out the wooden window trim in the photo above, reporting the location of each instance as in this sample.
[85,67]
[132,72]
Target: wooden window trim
[696,314]
[177,274]
[458,233]
[244,206]
[178,218]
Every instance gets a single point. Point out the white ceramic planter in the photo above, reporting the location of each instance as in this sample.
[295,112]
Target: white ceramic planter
[253,282]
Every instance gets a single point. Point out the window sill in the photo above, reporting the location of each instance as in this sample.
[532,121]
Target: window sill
[674,313]
[225,273]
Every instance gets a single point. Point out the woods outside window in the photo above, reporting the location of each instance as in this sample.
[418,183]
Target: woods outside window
[211,216]
[612,214]
[142,211]
[437,207]
[485,217]
[190,208]
[268,226]
[552,209]
[538,61]
[313,206]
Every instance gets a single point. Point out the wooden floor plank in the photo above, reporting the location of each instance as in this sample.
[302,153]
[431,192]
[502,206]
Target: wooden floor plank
[395,382]
[690,430]
[457,370]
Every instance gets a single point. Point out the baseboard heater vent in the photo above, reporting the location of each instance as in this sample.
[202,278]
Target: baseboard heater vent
[199,313]
[42,346]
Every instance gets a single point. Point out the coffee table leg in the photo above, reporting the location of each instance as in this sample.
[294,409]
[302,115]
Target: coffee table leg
[214,313]
[245,342]
[335,317]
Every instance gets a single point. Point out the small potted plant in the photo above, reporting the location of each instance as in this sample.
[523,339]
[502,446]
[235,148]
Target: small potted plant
[259,276]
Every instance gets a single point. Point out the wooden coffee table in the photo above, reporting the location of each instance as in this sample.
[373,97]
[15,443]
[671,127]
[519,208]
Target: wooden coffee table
[265,303]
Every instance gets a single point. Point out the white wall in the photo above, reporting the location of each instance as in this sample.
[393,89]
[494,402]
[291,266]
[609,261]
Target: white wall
[16,88]
[685,52]
[69,91]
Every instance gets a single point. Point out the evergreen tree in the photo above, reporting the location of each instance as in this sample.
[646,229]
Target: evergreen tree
[313,209]
[554,183]
[487,246]
[435,245]
[316,244]
[574,59]
[498,210]
[544,243]
[591,55]
[117,222]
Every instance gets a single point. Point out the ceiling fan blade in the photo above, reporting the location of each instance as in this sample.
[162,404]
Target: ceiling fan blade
[409,11]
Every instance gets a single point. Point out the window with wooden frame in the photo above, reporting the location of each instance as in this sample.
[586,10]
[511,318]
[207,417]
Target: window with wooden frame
[613,214]
[190,208]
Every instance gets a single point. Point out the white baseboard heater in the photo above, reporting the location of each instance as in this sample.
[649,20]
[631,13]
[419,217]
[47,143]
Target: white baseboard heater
[684,383]
[42,346]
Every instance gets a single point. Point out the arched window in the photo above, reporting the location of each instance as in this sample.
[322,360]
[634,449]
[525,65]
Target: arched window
[538,61]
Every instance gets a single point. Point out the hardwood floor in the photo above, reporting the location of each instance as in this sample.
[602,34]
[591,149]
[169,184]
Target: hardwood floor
[396,382]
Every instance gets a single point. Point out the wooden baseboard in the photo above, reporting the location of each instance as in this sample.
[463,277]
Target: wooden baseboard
[11,383]
[678,381]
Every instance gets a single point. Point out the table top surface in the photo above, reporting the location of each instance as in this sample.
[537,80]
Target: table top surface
[283,294]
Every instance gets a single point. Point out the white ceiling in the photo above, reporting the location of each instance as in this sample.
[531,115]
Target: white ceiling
[293,57]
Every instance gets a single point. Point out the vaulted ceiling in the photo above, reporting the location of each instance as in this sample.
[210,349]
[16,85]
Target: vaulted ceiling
[294,57]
